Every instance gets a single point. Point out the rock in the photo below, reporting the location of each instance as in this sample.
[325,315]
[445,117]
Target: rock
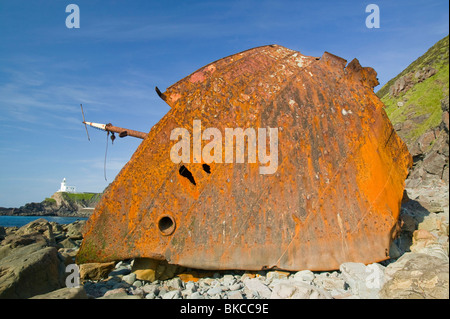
[236,286]
[95,271]
[13,241]
[150,296]
[234,295]
[329,282]
[64,293]
[173,294]
[428,243]
[68,255]
[248,275]
[273,275]
[408,223]
[286,291]
[432,237]
[402,84]
[57,228]
[175,283]
[191,286]
[304,275]
[425,142]
[196,295]
[116,291]
[2,233]
[40,226]
[112,282]
[59,232]
[188,291]
[417,276]
[150,269]
[119,294]
[68,243]
[434,163]
[5,250]
[254,284]
[121,271]
[209,281]
[74,230]
[151,288]
[214,290]
[394,250]
[162,292]
[296,290]
[137,291]
[422,238]
[364,281]
[425,73]
[37,231]
[435,250]
[228,280]
[130,278]
[30,271]
[434,223]
[445,116]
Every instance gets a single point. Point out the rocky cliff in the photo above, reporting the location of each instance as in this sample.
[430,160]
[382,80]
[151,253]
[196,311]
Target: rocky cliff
[417,102]
[59,204]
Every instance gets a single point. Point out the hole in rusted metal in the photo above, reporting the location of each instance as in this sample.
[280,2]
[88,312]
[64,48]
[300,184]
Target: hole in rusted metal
[187,173]
[207,168]
[166,225]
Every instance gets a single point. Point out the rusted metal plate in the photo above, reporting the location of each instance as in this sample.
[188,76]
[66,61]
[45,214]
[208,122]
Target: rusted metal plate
[334,196]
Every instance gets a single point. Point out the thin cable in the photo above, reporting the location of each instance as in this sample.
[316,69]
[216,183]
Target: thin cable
[106,152]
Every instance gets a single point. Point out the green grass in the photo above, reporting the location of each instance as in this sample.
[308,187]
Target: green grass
[436,57]
[49,201]
[423,98]
[79,197]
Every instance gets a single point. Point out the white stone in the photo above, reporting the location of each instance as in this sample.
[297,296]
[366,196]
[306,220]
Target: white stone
[130,278]
[235,295]
[214,290]
[297,290]
[236,286]
[173,294]
[304,275]
[196,295]
[256,285]
[364,281]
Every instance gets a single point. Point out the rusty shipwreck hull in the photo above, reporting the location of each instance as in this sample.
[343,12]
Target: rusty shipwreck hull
[335,196]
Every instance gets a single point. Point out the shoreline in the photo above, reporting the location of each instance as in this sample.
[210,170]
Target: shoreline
[19,221]
[46,215]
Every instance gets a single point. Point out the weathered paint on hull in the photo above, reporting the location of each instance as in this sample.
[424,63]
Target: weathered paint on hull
[334,198]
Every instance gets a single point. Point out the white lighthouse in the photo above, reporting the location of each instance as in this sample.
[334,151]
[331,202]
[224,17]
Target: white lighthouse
[65,188]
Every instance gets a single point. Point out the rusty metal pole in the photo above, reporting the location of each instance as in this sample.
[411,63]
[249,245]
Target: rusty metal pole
[115,129]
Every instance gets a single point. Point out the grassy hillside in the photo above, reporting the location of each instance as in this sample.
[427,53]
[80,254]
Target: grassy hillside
[418,103]
[84,199]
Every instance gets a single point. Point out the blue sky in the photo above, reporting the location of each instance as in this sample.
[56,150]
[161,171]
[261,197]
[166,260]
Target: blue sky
[123,49]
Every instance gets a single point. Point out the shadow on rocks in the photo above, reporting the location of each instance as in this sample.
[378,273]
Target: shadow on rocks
[412,213]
